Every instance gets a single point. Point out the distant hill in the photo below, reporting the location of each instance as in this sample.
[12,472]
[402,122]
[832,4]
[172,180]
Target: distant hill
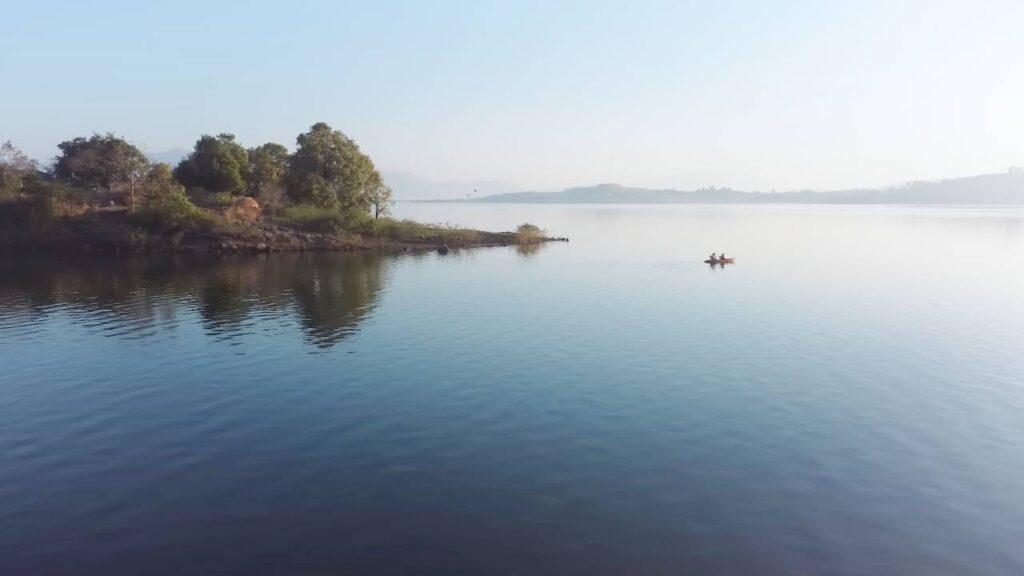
[1003,188]
[172,156]
[407,186]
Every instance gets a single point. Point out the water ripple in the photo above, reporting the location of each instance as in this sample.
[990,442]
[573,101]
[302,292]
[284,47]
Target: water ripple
[589,408]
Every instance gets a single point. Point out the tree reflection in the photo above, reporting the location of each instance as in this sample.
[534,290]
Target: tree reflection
[336,294]
[528,250]
[328,294]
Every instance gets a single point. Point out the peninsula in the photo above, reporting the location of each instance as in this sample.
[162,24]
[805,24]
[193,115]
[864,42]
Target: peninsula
[103,194]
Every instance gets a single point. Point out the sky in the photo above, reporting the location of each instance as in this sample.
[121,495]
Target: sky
[750,95]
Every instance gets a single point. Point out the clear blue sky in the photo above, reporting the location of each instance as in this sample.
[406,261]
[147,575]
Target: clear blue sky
[545,94]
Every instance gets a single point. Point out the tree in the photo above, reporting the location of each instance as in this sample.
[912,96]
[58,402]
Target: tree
[14,167]
[217,164]
[265,176]
[381,199]
[132,169]
[158,186]
[163,201]
[102,162]
[329,170]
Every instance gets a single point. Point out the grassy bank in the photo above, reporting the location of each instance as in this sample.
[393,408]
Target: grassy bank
[68,226]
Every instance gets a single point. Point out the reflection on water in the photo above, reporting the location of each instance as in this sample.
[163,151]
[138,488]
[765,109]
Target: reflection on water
[845,399]
[328,293]
[528,250]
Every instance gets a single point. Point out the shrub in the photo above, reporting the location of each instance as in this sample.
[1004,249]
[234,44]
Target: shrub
[48,200]
[164,205]
[172,211]
[528,234]
[40,204]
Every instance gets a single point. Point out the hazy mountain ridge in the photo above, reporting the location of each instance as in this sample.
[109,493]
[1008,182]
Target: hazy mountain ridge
[172,156]
[408,186]
[1002,188]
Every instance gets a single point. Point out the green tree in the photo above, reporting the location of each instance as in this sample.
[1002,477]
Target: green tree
[329,170]
[158,186]
[217,164]
[14,168]
[265,177]
[163,200]
[381,199]
[102,161]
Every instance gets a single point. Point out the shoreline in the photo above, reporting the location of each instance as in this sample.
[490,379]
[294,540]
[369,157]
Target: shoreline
[255,238]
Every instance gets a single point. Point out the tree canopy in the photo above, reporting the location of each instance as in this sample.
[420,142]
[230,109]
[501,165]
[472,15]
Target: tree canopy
[159,185]
[329,170]
[267,166]
[14,168]
[100,161]
[217,164]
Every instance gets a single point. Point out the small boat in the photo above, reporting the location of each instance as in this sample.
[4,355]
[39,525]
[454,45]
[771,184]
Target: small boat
[720,261]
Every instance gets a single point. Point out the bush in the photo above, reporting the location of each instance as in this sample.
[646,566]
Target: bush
[49,201]
[528,234]
[172,211]
[164,205]
[40,204]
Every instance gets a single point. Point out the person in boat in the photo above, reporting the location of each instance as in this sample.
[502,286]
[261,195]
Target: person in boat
[722,257]
[712,257]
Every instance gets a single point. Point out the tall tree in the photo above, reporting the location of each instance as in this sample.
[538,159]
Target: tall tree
[217,164]
[329,170]
[265,176]
[102,161]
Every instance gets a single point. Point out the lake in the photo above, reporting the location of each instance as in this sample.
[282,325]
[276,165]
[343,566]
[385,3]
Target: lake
[847,398]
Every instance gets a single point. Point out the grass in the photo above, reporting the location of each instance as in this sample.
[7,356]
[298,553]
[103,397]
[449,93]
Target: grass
[359,225]
[411,232]
[312,219]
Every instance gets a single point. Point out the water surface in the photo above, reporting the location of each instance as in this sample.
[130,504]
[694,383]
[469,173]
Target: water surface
[848,398]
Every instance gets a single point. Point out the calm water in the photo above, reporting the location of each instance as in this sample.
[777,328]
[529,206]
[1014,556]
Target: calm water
[848,398]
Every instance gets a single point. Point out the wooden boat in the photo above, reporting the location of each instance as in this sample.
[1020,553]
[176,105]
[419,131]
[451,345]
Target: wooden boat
[720,261]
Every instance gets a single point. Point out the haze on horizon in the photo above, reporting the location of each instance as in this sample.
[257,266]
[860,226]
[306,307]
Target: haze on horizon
[754,96]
